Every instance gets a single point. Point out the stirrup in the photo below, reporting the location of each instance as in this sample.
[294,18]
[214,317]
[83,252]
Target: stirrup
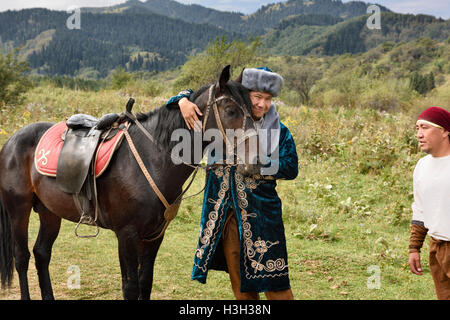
[84,219]
[87,220]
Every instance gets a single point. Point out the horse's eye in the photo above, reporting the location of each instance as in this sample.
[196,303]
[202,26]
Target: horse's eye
[230,112]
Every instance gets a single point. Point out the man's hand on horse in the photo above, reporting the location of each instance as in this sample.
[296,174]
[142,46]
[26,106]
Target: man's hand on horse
[190,113]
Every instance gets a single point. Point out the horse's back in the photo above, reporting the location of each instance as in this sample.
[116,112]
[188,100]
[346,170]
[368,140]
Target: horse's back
[25,138]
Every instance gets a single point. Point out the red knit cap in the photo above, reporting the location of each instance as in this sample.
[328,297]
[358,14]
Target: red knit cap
[436,116]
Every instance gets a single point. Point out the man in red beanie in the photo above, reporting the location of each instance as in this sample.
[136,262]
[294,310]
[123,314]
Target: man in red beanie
[431,207]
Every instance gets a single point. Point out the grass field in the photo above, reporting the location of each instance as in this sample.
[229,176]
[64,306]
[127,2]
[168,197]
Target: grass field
[346,215]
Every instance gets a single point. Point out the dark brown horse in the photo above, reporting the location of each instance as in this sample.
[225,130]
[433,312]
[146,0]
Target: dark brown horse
[127,204]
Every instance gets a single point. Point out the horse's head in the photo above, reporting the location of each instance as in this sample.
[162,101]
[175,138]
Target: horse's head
[226,108]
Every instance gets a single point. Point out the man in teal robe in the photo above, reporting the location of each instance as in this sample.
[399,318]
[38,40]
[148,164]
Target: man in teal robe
[242,229]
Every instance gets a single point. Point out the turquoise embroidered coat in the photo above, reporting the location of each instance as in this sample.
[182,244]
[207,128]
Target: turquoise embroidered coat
[263,258]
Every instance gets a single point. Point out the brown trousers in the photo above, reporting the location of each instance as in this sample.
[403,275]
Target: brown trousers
[440,267]
[231,249]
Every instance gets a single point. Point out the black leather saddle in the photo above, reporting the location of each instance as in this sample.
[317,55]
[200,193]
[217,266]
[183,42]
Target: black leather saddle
[76,164]
[80,143]
[75,172]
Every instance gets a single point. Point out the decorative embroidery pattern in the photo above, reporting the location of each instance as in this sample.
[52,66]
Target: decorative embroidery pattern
[43,157]
[207,233]
[254,251]
[253,182]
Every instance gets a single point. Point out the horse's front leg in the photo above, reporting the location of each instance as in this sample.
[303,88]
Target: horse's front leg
[146,266]
[128,256]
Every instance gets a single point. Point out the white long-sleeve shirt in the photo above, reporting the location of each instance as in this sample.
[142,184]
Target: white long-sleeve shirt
[431,183]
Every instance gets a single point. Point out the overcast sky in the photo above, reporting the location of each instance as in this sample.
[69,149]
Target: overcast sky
[438,8]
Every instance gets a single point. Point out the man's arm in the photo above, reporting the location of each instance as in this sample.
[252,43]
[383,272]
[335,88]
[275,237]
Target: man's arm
[418,231]
[287,160]
[173,101]
[418,234]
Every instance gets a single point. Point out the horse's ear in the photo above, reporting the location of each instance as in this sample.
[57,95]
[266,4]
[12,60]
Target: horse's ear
[224,78]
[239,78]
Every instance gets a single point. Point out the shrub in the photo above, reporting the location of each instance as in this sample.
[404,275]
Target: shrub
[422,84]
[334,98]
[119,78]
[381,99]
[14,80]
[206,67]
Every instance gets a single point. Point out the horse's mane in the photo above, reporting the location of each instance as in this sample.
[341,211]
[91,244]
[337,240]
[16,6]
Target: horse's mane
[168,119]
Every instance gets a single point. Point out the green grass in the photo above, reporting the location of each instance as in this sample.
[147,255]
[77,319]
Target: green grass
[321,267]
[348,210]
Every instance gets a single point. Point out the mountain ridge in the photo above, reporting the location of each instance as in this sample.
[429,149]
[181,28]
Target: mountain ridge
[256,23]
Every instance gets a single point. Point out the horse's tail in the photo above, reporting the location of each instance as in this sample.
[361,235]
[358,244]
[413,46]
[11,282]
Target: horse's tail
[6,248]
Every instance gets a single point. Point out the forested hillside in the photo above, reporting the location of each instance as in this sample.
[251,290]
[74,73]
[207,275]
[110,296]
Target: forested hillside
[389,77]
[158,35]
[270,15]
[193,13]
[321,34]
[105,41]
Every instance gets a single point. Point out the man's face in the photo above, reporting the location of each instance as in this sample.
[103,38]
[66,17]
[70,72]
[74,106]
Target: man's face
[431,138]
[260,103]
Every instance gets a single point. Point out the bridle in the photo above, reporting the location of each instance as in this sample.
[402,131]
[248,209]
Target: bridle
[172,209]
[212,102]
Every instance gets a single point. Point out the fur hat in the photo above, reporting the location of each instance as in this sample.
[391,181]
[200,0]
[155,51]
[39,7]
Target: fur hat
[262,79]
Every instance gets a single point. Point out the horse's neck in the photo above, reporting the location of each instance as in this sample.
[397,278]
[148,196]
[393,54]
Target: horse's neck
[175,174]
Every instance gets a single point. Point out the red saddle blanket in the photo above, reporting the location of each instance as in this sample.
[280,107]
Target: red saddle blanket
[49,147]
